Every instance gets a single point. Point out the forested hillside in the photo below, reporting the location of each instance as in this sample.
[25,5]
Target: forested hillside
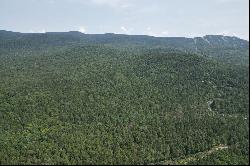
[73,98]
[224,48]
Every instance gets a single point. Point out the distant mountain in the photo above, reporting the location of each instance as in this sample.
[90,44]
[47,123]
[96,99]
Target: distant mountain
[225,48]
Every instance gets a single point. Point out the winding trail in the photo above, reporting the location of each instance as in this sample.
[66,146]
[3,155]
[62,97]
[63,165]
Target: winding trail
[186,160]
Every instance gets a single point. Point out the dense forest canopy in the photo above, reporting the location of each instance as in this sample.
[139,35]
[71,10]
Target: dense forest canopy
[74,98]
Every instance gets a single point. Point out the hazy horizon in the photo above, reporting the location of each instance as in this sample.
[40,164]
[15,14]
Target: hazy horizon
[159,18]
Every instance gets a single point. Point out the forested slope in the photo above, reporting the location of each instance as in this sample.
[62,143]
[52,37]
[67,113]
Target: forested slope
[78,102]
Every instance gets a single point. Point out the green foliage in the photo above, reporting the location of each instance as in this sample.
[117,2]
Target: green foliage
[102,104]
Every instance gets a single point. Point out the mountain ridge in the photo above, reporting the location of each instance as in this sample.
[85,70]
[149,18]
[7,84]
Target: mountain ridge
[109,33]
[228,49]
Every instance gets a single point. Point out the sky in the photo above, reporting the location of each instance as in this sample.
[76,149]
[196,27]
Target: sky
[166,18]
